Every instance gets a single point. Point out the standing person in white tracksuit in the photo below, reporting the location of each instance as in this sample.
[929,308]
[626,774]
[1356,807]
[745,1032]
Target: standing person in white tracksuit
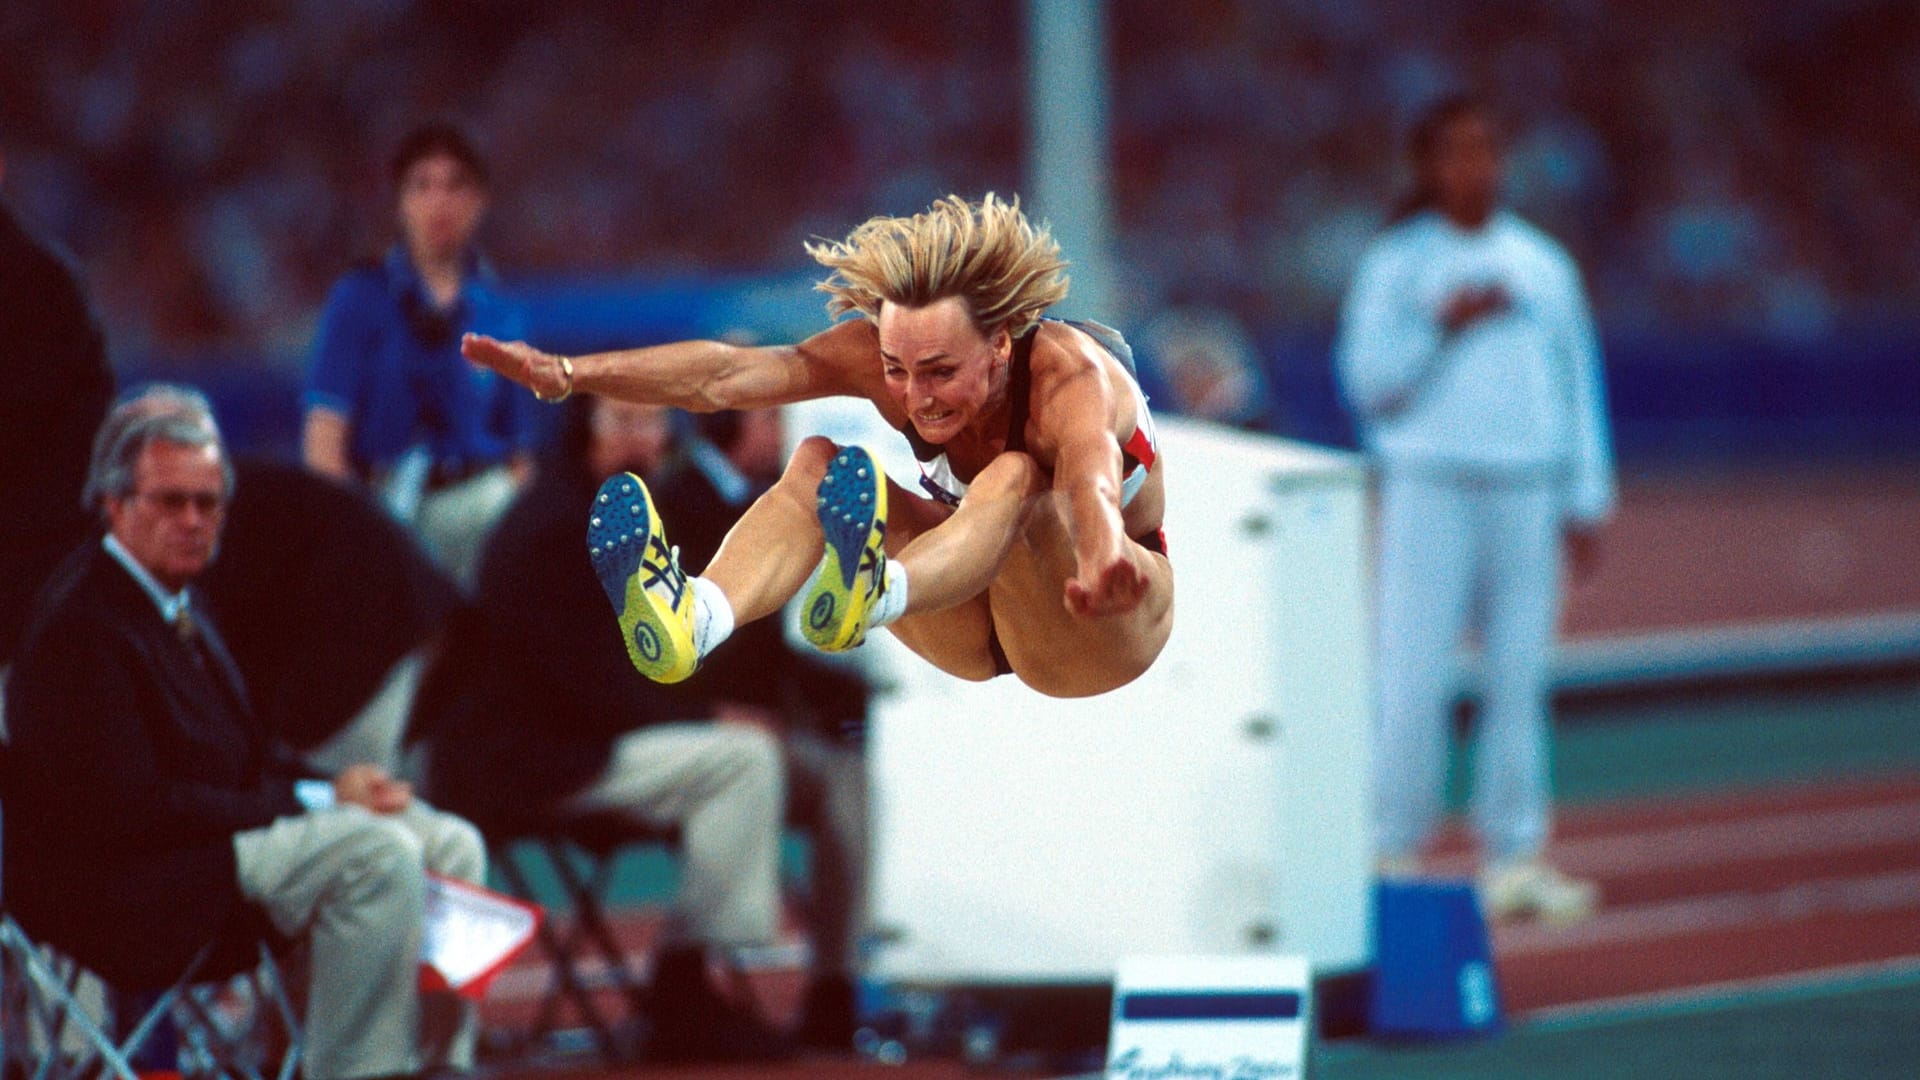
[1468,355]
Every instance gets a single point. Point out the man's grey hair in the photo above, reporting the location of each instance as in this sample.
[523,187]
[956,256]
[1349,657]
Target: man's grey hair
[161,412]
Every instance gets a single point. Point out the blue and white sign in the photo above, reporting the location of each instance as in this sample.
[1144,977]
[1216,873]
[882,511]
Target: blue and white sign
[1210,1018]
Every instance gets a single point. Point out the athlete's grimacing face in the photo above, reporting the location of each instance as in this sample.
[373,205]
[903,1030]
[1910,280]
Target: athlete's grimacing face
[944,372]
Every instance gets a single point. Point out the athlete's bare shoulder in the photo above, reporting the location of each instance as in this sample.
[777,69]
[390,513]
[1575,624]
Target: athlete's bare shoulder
[1071,367]
[1060,348]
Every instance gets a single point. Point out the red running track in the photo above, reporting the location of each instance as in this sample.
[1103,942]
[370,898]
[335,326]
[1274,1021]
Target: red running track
[1706,889]
[1697,891]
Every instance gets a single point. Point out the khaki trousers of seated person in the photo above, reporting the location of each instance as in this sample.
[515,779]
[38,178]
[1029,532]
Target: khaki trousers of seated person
[722,784]
[353,884]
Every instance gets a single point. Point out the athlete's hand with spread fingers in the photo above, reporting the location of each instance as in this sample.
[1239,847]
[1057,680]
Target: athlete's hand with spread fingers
[1112,587]
[538,371]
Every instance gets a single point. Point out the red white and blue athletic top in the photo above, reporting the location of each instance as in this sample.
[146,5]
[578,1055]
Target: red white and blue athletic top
[1136,455]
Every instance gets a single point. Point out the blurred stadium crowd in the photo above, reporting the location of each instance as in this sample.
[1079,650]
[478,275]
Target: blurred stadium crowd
[215,163]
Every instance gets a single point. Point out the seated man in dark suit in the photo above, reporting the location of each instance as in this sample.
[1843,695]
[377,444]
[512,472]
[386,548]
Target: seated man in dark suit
[148,810]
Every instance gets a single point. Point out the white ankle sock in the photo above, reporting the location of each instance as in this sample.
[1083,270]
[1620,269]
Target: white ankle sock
[712,616]
[893,597]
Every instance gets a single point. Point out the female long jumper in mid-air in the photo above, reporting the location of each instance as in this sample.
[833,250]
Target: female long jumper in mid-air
[1037,546]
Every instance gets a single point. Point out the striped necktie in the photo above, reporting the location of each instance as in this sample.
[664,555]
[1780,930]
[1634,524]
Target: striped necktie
[188,628]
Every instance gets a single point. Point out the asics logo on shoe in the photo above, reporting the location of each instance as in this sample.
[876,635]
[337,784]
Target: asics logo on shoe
[640,573]
[663,568]
[873,557]
[822,611]
[647,641]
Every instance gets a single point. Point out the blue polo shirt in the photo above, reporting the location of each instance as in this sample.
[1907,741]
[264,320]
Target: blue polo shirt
[391,364]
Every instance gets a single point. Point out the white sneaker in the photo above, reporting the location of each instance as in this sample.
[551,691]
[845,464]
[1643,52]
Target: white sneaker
[1519,888]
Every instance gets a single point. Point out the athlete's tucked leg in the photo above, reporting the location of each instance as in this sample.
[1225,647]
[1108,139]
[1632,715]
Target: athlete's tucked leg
[958,560]
[1054,651]
[948,558]
[954,638]
[943,566]
[771,550]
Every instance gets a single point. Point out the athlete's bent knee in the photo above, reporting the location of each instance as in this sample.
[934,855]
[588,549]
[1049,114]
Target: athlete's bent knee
[1010,475]
[805,468]
[812,455]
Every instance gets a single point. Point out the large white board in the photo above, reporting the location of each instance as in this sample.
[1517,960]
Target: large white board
[1217,805]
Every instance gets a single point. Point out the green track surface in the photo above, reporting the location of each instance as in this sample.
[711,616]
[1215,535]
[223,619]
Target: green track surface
[1860,1029]
[1711,739]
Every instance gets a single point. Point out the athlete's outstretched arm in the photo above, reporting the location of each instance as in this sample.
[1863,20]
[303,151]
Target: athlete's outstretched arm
[700,376]
[1076,408]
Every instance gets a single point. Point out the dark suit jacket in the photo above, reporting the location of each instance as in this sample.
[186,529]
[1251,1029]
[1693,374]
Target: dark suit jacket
[131,767]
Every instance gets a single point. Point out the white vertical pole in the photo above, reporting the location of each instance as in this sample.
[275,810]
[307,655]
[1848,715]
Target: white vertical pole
[1067,183]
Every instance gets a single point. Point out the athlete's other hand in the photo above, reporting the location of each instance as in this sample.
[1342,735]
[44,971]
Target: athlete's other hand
[1112,587]
[537,371]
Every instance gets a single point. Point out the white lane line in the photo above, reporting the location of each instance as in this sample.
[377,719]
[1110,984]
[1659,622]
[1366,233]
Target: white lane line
[1776,835]
[1741,801]
[1745,648]
[1731,994]
[1891,891]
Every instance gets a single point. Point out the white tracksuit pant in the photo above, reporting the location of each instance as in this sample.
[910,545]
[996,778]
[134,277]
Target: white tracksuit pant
[1460,550]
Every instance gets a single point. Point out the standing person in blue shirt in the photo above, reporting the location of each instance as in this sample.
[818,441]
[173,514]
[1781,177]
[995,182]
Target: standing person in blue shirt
[1468,355]
[390,402]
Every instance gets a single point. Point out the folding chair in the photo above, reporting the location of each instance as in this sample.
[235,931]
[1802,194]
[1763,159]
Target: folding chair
[222,1008]
[223,1023]
[581,854]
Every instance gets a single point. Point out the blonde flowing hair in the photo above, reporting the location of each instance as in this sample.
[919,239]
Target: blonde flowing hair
[986,253]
